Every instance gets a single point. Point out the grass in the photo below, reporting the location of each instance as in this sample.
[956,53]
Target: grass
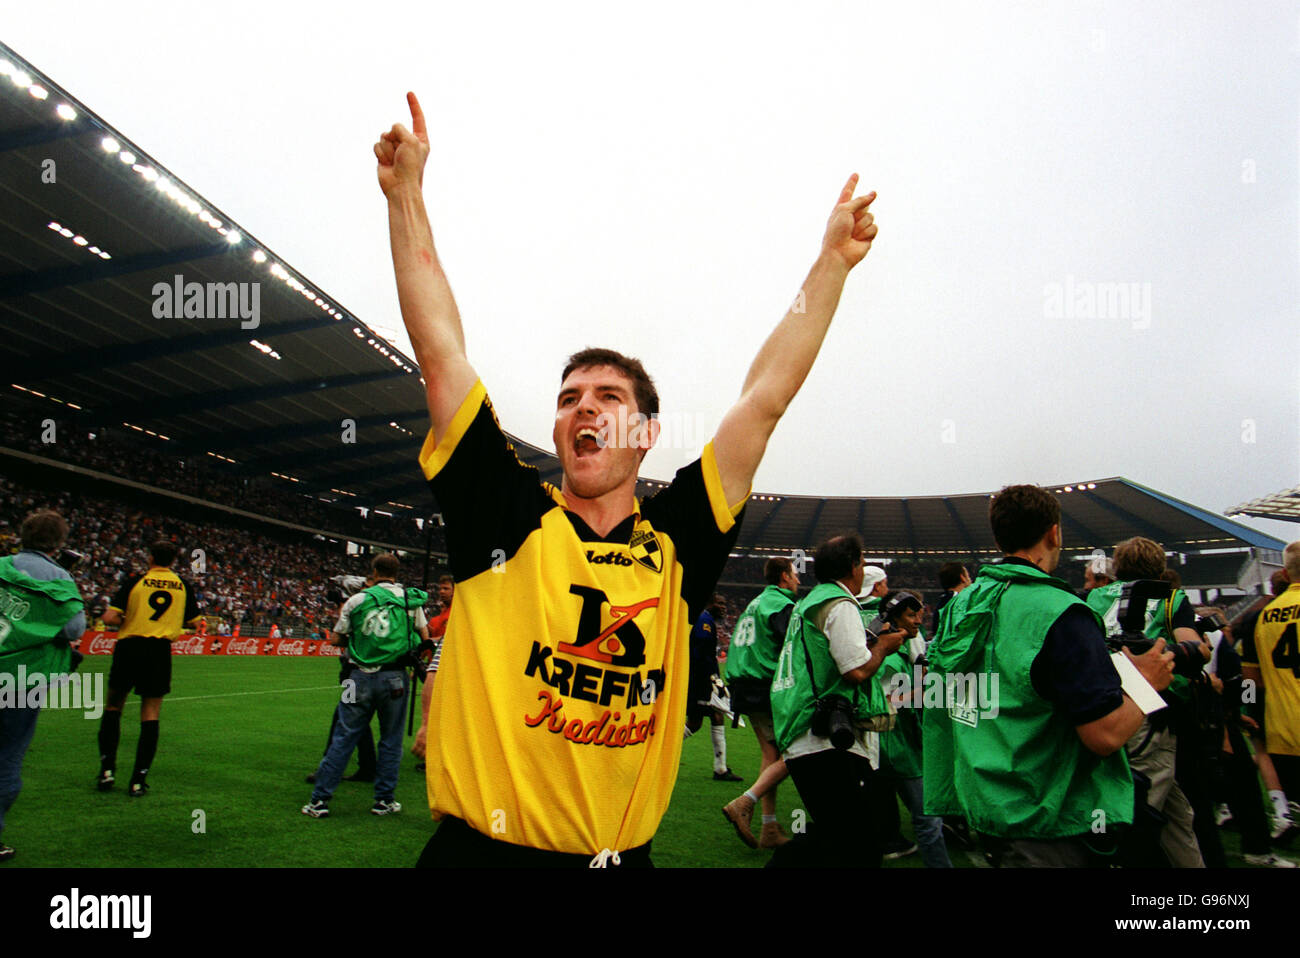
[238,735]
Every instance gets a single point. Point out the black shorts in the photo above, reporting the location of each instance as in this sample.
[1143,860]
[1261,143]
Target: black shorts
[141,663]
[456,845]
[751,696]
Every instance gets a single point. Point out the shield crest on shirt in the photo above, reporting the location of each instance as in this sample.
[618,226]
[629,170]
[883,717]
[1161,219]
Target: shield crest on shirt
[644,548]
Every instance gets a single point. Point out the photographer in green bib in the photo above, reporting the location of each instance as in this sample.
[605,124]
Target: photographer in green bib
[1152,748]
[41,613]
[825,702]
[1042,777]
[383,627]
[755,645]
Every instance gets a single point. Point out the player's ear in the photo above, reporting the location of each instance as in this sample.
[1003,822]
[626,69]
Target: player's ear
[652,432]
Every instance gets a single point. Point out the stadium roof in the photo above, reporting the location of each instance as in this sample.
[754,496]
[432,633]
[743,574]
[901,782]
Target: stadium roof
[1284,505]
[94,235]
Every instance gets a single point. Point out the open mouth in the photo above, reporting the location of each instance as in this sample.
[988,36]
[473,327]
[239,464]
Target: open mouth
[587,442]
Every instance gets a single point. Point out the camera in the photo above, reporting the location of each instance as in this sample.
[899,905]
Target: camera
[1133,599]
[877,627]
[1214,622]
[70,559]
[344,588]
[834,718]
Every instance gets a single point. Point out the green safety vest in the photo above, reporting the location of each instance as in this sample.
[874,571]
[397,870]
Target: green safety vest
[754,647]
[1025,773]
[32,614]
[870,608]
[793,698]
[382,632]
[900,747]
[1104,600]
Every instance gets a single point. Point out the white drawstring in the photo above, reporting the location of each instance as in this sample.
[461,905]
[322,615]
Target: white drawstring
[604,858]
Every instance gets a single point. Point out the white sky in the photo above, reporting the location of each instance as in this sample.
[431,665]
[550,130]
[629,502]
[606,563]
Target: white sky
[657,180]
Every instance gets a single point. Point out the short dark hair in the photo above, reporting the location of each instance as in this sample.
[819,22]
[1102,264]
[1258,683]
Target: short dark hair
[163,552]
[893,604]
[1173,578]
[43,531]
[445,577]
[950,574]
[387,565]
[836,557]
[1021,516]
[643,387]
[774,570]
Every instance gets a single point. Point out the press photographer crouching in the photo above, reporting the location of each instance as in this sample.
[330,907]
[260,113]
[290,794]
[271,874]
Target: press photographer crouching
[1163,833]
[826,707]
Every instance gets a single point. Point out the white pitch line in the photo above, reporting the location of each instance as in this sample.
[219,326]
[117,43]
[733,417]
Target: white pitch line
[224,695]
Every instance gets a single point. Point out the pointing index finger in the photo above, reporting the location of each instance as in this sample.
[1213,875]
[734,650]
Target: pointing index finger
[417,116]
[846,194]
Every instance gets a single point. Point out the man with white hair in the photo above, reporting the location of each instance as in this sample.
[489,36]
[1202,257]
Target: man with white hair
[1098,572]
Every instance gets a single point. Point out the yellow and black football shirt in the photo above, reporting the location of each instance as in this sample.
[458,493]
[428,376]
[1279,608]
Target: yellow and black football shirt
[561,698]
[156,603]
[1275,650]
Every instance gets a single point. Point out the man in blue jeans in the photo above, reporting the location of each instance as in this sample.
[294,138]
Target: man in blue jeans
[381,626]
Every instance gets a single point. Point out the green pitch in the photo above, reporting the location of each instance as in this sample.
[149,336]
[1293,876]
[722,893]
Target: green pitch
[238,736]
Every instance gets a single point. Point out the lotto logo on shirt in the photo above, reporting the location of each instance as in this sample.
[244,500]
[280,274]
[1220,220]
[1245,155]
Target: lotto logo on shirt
[618,643]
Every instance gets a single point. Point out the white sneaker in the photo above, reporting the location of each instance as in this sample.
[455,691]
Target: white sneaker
[1269,860]
[1284,831]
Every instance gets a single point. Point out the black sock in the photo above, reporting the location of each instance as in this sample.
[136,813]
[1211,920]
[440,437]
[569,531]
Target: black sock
[144,752]
[110,730]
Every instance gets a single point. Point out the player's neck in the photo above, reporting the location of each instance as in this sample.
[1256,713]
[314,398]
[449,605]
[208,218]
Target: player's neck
[602,513]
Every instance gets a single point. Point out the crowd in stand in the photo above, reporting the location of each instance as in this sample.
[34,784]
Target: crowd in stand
[255,579]
[122,452]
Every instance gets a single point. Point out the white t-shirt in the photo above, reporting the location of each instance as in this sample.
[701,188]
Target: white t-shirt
[841,623]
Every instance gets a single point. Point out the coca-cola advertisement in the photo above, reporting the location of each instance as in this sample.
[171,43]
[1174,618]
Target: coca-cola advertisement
[98,643]
[101,643]
[243,647]
[191,645]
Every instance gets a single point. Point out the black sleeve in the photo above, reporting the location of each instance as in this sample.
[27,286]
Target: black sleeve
[1184,615]
[490,501]
[1073,669]
[684,512]
[1246,629]
[192,610]
[779,621]
[123,594]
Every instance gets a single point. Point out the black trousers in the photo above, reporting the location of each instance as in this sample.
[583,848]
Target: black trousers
[1239,784]
[456,845]
[837,789]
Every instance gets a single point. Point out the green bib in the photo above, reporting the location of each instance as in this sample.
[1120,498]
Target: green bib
[754,647]
[382,632]
[793,695]
[900,747]
[1024,773]
[32,614]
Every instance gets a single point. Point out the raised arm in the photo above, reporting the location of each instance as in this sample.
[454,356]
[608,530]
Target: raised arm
[428,308]
[786,357]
